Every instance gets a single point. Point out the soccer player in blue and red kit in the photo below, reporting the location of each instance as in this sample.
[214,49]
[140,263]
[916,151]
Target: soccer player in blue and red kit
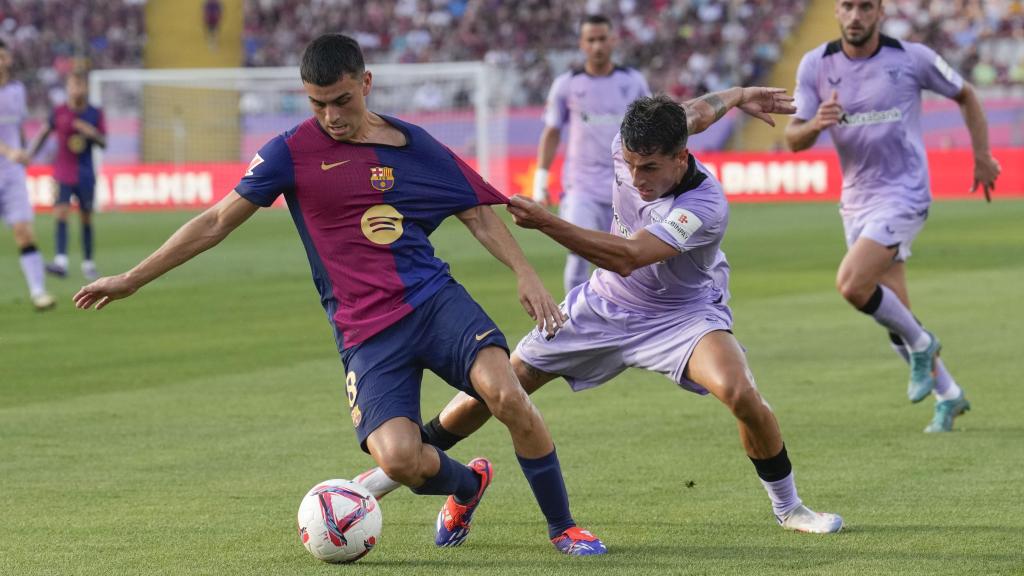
[365,192]
[865,89]
[79,126]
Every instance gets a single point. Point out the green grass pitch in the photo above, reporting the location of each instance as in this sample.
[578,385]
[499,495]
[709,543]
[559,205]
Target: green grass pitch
[175,432]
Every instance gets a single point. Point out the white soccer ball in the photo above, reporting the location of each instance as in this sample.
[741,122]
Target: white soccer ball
[339,521]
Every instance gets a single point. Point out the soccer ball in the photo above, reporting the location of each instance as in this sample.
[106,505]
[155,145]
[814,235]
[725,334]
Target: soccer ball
[339,521]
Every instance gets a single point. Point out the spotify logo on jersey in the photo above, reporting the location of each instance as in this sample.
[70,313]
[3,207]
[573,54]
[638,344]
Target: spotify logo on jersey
[382,224]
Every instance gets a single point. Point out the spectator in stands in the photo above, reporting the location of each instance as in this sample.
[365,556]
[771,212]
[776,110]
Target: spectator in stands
[212,12]
[534,38]
[54,37]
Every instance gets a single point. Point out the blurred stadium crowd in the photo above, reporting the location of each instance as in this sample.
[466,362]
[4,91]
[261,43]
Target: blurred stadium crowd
[51,37]
[537,39]
[984,40]
[683,46]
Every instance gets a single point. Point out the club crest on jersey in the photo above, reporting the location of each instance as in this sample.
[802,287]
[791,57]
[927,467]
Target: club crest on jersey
[382,178]
[894,73]
[76,143]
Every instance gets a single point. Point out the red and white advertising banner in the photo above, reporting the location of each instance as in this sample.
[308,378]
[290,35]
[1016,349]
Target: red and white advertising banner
[746,177]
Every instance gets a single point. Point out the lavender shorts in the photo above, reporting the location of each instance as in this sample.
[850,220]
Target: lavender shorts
[889,225]
[602,339]
[14,203]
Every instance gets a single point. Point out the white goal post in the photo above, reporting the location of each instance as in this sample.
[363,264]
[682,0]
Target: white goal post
[181,119]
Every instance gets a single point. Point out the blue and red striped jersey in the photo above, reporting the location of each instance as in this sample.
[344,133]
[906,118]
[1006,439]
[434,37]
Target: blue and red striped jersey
[73,164]
[364,213]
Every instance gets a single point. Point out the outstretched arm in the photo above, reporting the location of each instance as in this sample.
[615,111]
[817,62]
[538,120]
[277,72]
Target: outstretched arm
[759,102]
[490,231]
[614,253]
[196,236]
[986,168]
[37,142]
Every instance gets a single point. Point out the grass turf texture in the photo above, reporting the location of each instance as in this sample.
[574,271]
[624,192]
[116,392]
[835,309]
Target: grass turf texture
[175,432]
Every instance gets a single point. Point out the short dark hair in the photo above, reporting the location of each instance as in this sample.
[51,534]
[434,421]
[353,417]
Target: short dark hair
[596,19]
[3,44]
[329,57]
[654,124]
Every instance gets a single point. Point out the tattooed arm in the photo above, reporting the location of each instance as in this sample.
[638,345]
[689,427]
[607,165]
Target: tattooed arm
[704,111]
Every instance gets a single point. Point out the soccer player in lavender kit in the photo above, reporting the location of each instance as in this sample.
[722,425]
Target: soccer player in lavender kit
[365,192]
[15,208]
[865,89]
[659,298]
[589,102]
[79,126]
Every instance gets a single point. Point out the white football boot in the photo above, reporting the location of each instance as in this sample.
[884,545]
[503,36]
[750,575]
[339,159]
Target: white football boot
[803,519]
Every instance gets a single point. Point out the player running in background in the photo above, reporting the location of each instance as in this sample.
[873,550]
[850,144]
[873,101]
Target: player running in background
[365,192]
[659,298]
[14,202]
[79,126]
[590,101]
[865,89]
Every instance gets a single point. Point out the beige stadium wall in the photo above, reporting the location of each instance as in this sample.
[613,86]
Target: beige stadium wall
[818,26]
[182,124]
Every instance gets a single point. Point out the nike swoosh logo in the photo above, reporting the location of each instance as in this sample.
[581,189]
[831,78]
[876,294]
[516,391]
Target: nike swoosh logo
[480,337]
[325,166]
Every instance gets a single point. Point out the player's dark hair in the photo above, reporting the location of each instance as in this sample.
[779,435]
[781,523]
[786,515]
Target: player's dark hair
[3,44]
[329,57]
[597,19]
[654,124]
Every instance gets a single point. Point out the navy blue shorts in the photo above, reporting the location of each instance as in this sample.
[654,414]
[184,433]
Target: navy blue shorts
[84,191]
[443,335]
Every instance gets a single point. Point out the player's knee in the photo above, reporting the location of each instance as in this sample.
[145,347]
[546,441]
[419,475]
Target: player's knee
[509,403]
[852,289]
[401,464]
[740,395]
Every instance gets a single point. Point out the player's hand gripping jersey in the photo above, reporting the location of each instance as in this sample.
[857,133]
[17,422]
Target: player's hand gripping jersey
[364,212]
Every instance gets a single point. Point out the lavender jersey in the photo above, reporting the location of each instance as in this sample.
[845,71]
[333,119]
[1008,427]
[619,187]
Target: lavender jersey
[692,219]
[13,111]
[592,107]
[879,137]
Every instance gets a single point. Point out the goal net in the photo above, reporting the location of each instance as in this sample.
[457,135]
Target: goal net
[183,138]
